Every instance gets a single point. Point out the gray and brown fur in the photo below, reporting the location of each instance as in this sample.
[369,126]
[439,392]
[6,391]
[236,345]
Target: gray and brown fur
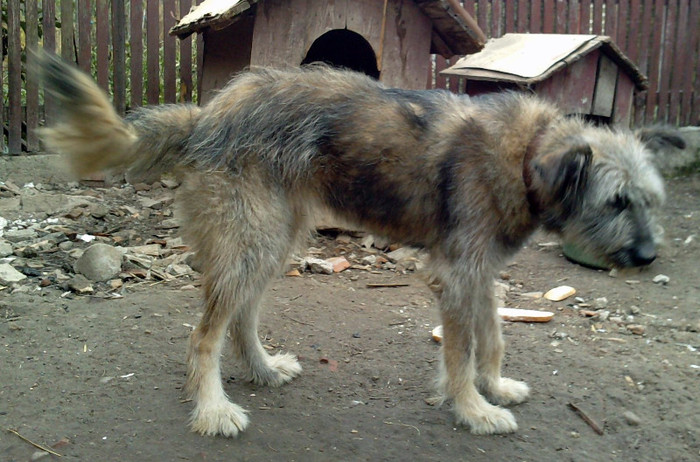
[468,179]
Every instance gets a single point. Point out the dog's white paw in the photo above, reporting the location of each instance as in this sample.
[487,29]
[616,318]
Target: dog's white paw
[278,370]
[486,419]
[508,391]
[223,418]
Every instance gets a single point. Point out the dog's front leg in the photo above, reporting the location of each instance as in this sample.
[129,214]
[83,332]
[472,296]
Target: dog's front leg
[489,355]
[460,305]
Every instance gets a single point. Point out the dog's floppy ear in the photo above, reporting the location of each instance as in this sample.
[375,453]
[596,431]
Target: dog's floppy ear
[564,174]
[659,137]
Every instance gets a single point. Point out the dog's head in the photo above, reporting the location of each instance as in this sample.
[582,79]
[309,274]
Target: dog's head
[599,189]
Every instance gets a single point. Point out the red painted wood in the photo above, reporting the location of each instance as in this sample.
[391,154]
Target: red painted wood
[585,11]
[102,35]
[169,73]
[136,48]
[611,19]
[84,35]
[510,16]
[153,52]
[31,15]
[667,66]
[119,55]
[691,92]
[185,58]
[654,65]
[49,44]
[598,17]
[536,16]
[561,11]
[523,17]
[14,77]
[574,18]
[548,17]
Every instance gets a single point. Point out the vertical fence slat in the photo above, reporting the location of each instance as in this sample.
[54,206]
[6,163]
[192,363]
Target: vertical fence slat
[536,16]
[186,58]
[680,43]
[611,19]
[496,18]
[510,16]
[102,35]
[31,16]
[670,29]
[2,101]
[633,22]
[49,44]
[691,96]
[153,52]
[84,32]
[655,57]
[67,32]
[136,52]
[561,9]
[14,77]
[169,73]
[548,18]
[598,17]
[523,16]
[119,55]
[585,20]
[574,17]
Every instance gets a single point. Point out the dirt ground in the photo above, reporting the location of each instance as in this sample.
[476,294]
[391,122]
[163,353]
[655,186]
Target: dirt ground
[100,379]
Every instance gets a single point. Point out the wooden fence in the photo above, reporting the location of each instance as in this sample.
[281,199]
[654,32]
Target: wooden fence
[126,47]
[662,37]
[124,44]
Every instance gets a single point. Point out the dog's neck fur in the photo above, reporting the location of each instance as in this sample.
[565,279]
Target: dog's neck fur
[530,152]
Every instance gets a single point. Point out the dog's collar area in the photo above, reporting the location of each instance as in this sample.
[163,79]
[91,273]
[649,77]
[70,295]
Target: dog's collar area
[530,152]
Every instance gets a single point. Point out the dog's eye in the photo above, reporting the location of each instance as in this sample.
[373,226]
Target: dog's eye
[619,202]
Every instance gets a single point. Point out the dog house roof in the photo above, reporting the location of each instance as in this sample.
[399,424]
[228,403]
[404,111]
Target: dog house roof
[531,58]
[455,32]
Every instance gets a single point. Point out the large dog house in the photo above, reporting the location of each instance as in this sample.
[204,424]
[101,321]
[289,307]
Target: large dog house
[388,39]
[583,74]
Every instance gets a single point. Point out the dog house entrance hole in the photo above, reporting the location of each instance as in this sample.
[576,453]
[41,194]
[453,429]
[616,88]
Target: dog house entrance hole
[346,49]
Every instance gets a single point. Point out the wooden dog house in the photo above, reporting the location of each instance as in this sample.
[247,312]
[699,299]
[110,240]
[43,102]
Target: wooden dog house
[388,39]
[583,74]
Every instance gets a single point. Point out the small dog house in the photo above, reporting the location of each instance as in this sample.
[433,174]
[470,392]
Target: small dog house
[388,39]
[584,74]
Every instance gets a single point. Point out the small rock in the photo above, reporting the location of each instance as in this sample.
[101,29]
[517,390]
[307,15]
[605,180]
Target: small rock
[100,262]
[601,302]
[9,275]
[99,211]
[5,248]
[19,235]
[636,329]
[80,285]
[369,260]
[316,265]
[402,254]
[602,315]
[293,273]
[343,239]
[661,279]
[631,418]
[533,295]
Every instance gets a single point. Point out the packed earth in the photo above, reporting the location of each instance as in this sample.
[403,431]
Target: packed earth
[98,298]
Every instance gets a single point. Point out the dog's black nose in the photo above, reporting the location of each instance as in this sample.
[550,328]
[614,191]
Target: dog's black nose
[643,255]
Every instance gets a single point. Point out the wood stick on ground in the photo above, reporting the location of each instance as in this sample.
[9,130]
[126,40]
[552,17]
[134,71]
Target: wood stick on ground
[387,284]
[589,420]
[38,446]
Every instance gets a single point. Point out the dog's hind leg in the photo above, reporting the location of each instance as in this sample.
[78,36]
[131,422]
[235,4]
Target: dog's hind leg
[241,231]
[461,299]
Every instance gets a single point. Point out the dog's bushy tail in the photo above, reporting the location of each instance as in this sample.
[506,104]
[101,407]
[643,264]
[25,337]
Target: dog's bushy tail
[93,137]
